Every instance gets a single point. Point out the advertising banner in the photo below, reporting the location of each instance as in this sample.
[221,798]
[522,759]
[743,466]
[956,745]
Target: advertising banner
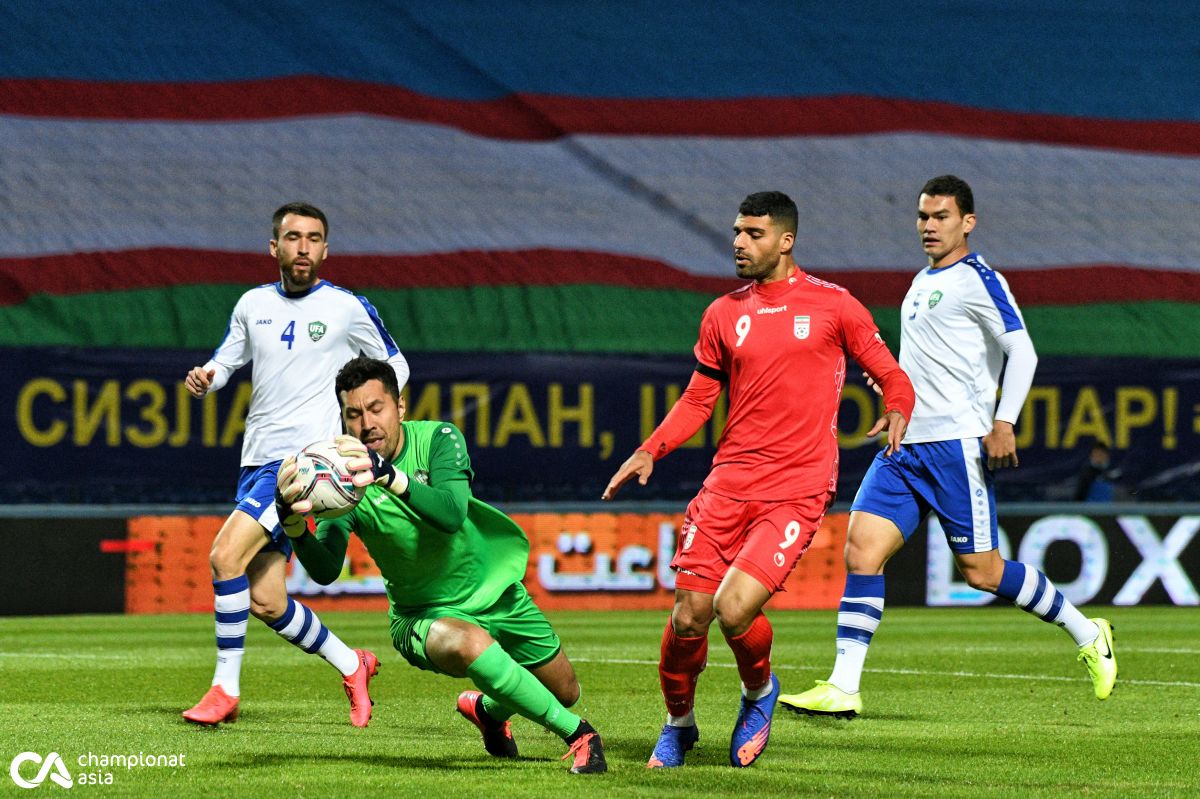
[601,560]
[110,425]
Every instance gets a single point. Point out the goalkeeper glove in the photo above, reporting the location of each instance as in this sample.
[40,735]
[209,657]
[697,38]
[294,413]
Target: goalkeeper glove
[369,467]
[291,514]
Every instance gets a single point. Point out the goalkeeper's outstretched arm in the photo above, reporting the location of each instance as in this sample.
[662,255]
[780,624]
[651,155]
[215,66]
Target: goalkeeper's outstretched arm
[321,555]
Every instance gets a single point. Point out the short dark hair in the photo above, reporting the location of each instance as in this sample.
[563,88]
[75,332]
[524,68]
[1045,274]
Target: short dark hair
[951,186]
[357,371]
[299,209]
[774,204]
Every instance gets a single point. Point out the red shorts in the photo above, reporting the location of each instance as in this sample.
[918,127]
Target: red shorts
[763,539]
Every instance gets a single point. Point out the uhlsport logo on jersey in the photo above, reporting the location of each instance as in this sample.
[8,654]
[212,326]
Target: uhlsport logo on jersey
[935,298]
[800,325]
[52,767]
[316,330]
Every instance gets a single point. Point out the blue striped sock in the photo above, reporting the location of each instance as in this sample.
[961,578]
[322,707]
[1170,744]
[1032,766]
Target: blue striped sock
[1032,591]
[302,627]
[231,607]
[859,615]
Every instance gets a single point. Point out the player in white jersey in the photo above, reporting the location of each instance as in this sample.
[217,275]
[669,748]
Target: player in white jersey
[959,324]
[297,332]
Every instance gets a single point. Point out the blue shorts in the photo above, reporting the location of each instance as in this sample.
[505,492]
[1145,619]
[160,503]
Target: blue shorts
[951,478]
[256,498]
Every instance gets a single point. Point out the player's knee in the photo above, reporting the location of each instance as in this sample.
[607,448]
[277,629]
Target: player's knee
[864,558]
[734,618]
[268,609]
[453,647]
[981,579]
[225,563]
[568,694]
[689,624]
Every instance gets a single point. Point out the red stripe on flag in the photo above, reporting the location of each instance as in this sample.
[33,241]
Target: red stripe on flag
[540,117]
[124,270]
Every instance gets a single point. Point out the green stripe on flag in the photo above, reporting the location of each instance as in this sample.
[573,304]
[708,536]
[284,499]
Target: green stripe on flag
[568,318]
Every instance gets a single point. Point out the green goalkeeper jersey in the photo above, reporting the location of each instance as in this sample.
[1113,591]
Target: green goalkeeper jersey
[423,564]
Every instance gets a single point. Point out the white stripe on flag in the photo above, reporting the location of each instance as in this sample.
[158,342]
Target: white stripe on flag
[134,184]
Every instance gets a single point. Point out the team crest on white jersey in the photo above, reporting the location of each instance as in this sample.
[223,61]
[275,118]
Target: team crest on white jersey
[316,330]
[935,298]
[800,326]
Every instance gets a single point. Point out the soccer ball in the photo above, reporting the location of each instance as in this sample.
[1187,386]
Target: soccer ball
[326,480]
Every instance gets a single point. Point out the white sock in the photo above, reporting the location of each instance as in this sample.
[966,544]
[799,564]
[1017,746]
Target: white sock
[1081,628]
[757,693]
[848,667]
[682,721]
[231,608]
[1031,591]
[229,670]
[302,627]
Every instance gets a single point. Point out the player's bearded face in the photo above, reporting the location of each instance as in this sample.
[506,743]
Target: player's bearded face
[373,416]
[943,229]
[300,250]
[757,247]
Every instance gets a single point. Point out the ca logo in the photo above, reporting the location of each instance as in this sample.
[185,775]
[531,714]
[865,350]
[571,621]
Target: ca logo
[53,765]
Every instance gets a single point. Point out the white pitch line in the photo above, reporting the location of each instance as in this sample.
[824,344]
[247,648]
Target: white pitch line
[119,657]
[914,672]
[1163,651]
[65,656]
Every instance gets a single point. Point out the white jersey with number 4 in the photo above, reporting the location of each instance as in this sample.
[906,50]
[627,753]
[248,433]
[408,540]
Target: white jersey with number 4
[949,326]
[297,344]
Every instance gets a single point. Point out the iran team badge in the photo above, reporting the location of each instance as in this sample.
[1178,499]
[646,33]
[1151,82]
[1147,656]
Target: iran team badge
[800,325]
[316,330]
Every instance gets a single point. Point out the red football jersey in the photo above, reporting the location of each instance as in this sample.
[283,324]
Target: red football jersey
[781,349]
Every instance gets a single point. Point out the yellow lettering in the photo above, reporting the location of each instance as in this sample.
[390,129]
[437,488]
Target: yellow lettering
[467,397]
[519,417]
[649,419]
[1170,404]
[428,405]
[864,399]
[580,414]
[1051,397]
[106,409]
[235,425]
[1087,420]
[1136,407]
[183,416]
[208,424]
[152,414]
[607,442]
[54,432]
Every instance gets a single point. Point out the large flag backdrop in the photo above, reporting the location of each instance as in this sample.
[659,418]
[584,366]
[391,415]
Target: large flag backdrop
[561,177]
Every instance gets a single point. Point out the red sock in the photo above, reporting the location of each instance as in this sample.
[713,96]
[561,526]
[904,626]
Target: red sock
[752,651]
[679,665]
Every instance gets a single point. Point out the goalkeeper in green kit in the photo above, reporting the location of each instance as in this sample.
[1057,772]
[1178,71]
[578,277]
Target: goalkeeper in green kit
[452,566]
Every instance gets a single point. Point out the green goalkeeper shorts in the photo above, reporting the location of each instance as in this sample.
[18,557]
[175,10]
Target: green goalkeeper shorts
[516,623]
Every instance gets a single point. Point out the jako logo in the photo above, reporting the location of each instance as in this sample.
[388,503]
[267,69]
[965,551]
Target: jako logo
[53,761]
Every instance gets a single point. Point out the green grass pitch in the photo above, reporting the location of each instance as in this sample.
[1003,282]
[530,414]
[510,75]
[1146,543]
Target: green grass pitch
[958,703]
